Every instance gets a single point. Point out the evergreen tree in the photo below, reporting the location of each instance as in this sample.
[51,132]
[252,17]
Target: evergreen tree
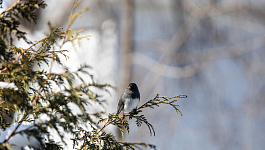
[32,93]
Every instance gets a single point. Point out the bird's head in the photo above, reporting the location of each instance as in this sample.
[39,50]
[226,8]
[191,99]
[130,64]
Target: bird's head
[132,86]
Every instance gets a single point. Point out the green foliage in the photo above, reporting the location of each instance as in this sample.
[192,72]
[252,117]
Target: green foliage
[18,74]
[10,21]
[41,92]
[98,139]
[157,100]
[95,140]
[36,93]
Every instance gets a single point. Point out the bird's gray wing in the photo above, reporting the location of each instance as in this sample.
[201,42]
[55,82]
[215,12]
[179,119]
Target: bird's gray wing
[120,105]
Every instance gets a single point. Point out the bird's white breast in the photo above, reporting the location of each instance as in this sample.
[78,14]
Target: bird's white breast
[130,104]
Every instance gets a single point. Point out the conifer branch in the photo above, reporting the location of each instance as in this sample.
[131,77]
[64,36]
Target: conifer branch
[122,124]
[105,125]
[48,76]
[51,64]
[26,98]
[14,131]
[1,71]
[4,73]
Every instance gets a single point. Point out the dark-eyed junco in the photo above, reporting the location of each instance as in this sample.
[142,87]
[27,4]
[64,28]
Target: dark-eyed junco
[129,99]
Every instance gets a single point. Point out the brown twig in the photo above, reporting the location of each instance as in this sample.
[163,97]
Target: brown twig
[105,125]
[24,52]
[5,73]
[1,71]
[37,51]
[48,76]
[14,131]
[108,122]
[2,102]
[18,1]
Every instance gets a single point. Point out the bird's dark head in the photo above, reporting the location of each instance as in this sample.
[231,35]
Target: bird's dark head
[133,87]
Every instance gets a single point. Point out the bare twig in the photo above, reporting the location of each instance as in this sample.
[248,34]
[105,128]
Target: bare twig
[37,51]
[14,131]
[5,73]
[105,125]
[18,1]
[2,102]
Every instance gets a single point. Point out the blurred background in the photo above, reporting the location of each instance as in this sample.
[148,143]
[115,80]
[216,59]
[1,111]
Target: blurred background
[210,50]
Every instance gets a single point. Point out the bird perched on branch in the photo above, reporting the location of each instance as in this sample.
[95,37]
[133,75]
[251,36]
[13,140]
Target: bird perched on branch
[129,99]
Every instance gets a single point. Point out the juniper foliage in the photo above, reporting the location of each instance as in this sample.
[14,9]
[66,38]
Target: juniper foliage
[99,139]
[41,92]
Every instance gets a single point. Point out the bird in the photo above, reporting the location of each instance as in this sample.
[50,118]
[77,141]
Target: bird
[129,99]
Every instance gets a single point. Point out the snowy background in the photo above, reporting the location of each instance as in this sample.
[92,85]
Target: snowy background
[212,51]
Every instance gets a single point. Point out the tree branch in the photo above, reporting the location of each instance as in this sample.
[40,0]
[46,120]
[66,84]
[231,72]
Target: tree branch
[1,71]
[18,1]
[48,76]
[14,131]
[156,101]
[2,102]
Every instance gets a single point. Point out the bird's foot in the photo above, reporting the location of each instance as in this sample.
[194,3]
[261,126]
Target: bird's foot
[132,113]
